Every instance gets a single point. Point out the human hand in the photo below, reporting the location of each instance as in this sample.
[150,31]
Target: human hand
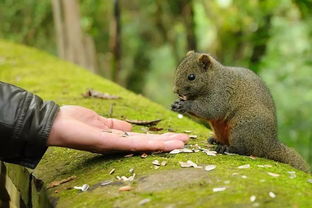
[81,128]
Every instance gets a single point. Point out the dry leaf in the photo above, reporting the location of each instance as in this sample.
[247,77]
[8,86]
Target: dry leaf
[101,95]
[144,123]
[57,183]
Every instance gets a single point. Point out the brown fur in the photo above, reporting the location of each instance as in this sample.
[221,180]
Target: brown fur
[236,103]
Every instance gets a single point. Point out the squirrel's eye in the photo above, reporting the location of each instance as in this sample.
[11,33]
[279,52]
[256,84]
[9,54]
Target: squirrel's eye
[191,77]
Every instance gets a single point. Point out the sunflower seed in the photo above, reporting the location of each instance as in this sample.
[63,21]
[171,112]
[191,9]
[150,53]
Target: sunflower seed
[125,188]
[144,201]
[273,174]
[244,166]
[144,155]
[264,166]
[209,167]
[83,188]
[253,198]
[156,162]
[272,195]
[218,189]
[112,171]
[163,163]
[105,183]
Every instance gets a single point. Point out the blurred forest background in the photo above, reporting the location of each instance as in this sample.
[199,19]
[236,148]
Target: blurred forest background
[139,43]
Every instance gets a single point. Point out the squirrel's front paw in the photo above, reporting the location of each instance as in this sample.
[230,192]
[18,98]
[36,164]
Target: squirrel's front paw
[179,106]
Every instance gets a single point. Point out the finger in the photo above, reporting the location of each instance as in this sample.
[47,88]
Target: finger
[164,137]
[116,124]
[140,143]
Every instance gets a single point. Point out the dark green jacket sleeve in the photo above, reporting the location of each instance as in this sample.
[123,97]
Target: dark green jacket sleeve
[25,124]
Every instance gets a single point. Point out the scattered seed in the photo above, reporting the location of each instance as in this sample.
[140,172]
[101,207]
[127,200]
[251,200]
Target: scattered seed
[262,180]
[244,177]
[187,131]
[252,157]
[112,171]
[193,136]
[144,155]
[125,188]
[273,174]
[129,155]
[253,198]
[156,162]
[264,166]
[153,128]
[226,182]
[184,150]
[272,195]
[180,116]
[83,188]
[156,167]
[131,170]
[210,153]
[118,178]
[144,201]
[188,164]
[309,180]
[125,134]
[234,174]
[244,166]
[209,167]
[218,189]
[105,183]
[228,153]
[292,174]
[163,163]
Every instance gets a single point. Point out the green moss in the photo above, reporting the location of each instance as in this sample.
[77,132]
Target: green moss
[53,79]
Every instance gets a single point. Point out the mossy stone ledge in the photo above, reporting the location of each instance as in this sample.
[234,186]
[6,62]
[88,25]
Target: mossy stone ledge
[168,186]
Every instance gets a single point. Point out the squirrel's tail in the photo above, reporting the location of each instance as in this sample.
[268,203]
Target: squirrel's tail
[284,154]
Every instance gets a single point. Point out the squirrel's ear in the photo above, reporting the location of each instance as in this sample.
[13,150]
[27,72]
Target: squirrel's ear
[204,61]
[190,52]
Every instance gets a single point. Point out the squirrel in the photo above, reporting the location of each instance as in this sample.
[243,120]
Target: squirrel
[236,103]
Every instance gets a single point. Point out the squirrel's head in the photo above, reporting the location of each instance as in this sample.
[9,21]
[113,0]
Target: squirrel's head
[193,75]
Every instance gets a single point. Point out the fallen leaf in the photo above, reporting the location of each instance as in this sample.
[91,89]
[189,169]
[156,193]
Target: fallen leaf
[153,128]
[57,183]
[101,95]
[144,123]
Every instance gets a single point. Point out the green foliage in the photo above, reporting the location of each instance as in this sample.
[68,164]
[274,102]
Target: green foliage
[272,38]
[167,186]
